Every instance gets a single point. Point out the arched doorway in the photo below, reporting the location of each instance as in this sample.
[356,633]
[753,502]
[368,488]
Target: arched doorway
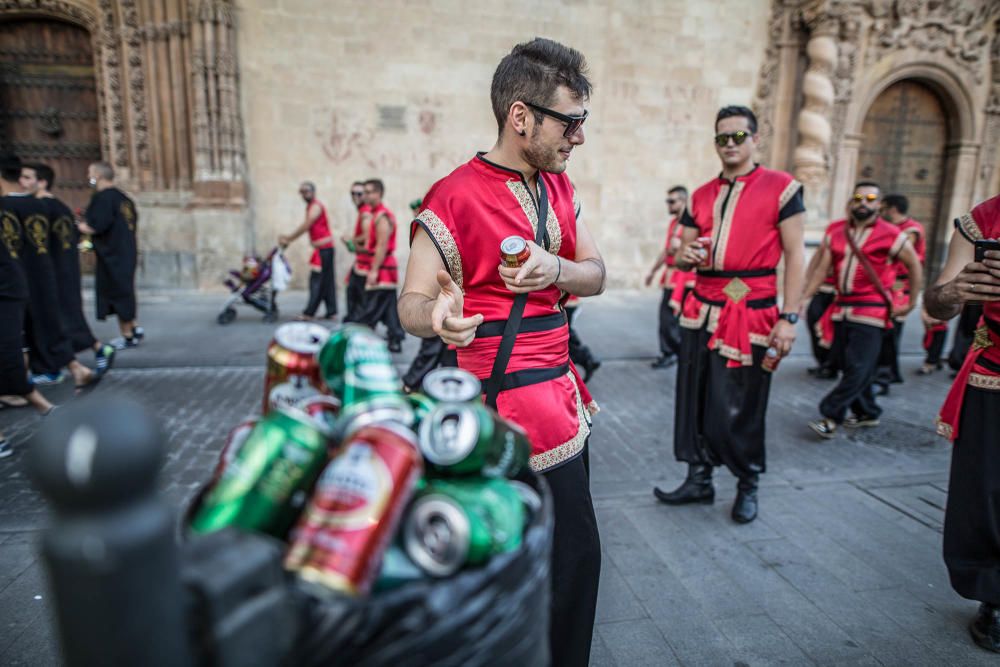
[904,149]
[48,100]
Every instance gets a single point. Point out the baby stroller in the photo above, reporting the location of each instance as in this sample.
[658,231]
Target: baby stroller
[257,284]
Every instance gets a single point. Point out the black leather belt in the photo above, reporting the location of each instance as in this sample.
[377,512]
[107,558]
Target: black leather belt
[752,273]
[753,304]
[986,363]
[862,304]
[528,325]
[530,376]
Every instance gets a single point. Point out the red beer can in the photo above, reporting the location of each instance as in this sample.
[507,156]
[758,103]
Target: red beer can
[352,516]
[514,251]
[323,410]
[292,369]
[234,442]
[706,245]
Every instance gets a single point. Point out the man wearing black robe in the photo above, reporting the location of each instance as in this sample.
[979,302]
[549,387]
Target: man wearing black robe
[111,220]
[63,239]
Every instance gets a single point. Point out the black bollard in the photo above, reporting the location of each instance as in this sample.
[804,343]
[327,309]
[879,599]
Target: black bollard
[110,553]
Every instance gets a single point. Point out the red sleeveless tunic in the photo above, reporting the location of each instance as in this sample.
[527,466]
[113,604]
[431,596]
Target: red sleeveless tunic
[388,273]
[362,256]
[467,214]
[858,299]
[320,229]
[901,288]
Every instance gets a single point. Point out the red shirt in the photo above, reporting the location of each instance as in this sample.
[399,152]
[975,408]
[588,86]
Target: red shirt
[858,298]
[736,296]
[320,228]
[467,214]
[901,288]
[362,257]
[674,230]
[388,272]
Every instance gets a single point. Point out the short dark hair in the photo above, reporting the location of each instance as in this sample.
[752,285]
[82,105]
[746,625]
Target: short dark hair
[898,202]
[532,72]
[10,167]
[308,184]
[678,188]
[43,172]
[361,183]
[377,184]
[735,110]
[867,184]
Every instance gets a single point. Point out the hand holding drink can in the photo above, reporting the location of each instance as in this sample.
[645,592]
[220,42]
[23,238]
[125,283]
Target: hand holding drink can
[514,252]
[706,248]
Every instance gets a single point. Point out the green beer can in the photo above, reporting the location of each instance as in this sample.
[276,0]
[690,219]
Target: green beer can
[358,369]
[457,522]
[422,406]
[265,485]
[469,438]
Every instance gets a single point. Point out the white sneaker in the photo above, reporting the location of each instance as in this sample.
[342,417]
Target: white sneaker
[5,449]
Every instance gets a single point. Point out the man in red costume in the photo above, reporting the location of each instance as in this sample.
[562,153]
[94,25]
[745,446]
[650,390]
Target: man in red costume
[455,288]
[894,210]
[673,282]
[357,244]
[736,230]
[317,225]
[863,251]
[379,303]
[971,418]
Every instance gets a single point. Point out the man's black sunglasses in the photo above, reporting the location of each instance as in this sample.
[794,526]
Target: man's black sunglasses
[357,193]
[573,123]
[722,139]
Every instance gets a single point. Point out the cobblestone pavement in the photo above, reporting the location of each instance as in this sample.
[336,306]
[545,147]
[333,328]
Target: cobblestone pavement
[843,567]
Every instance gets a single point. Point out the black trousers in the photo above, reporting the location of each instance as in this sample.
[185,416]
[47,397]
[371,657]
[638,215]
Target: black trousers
[322,286]
[355,296]
[49,349]
[965,329]
[432,353]
[13,374]
[670,328]
[818,306]
[972,516]
[720,412]
[888,362]
[936,347]
[576,563]
[379,305]
[859,347]
[579,352]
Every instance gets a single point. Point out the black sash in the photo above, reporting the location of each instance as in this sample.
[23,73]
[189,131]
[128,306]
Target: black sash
[528,325]
[750,273]
[495,383]
[753,304]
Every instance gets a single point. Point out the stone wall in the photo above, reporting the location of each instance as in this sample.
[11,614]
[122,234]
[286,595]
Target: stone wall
[336,91]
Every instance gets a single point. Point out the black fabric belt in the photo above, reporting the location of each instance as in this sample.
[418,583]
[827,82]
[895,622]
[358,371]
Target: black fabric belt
[986,363]
[992,325]
[530,376]
[528,325]
[754,304]
[753,273]
[862,304]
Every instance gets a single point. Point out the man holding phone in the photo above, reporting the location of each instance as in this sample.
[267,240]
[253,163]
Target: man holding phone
[970,417]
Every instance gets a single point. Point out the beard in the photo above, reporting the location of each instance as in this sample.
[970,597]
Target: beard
[542,157]
[862,213]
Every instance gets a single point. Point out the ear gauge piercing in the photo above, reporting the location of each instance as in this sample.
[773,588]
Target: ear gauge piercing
[523,133]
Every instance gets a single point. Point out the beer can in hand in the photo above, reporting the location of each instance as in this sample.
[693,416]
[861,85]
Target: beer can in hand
[771,360]
[464,438]
[358,501]
[457,522]
[706,246]
[292,368]
[514,252]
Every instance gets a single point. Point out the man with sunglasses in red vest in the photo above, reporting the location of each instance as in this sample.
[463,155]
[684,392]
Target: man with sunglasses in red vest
[357,243]
[863,251]
[736,230]
[508,323]
[673,282]
[970,418]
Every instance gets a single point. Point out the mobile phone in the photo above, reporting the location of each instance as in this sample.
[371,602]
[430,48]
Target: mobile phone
[983,245]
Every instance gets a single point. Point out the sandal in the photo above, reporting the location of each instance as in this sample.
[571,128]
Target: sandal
[13,402]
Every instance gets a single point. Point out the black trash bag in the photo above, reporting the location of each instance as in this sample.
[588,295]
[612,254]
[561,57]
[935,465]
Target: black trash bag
[493,615]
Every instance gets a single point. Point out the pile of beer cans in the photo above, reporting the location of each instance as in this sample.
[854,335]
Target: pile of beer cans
[370,487]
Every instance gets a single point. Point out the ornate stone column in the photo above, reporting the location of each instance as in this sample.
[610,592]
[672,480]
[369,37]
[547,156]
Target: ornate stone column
[989,180]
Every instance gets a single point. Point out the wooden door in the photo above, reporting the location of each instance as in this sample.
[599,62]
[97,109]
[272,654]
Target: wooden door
[904,150]
[48,101]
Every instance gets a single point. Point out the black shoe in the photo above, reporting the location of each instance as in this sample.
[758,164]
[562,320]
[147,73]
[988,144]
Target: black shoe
[697,488]
[589,369]
[985,628]
[880,389]
[745,506]
[825,373]
[861,421]
[395,346]
[664,362]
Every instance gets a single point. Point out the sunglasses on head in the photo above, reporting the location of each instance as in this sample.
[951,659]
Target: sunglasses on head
[722,138]
[868,198]
[573,123]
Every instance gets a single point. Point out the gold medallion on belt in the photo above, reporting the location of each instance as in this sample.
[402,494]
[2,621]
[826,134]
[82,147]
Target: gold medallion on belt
[736,290]
[982,339]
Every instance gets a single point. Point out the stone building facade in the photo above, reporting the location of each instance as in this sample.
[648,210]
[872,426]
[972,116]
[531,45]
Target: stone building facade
[213,111]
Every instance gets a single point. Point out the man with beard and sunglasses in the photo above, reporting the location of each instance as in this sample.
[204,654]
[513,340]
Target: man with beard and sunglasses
[456,288]
[673,282]
[358,245]
[863,251]
[736,230]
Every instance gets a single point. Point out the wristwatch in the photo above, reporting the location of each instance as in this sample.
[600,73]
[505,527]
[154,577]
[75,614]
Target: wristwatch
[791,318]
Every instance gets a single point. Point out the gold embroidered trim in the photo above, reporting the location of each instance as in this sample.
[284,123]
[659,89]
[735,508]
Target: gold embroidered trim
[554,230]
[897,245]
[981,340]
[848,314]
[524,198]
[722,230]
[943,429]
[36,228]
[736,290]
[789,192]
[697,321]
[446,242]
[733,354]
[987,382]
[848,279]
[761,340]
[570,448]
[969,226]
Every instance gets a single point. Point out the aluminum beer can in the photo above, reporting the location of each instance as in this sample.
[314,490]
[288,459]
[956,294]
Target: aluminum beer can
[355,508]
[457,522]
[706,245]
[234,443]
[263,487]
[324,410]
[469,438]
[292,369]
[422,406]
[452,385]
[771,360]
[514,251]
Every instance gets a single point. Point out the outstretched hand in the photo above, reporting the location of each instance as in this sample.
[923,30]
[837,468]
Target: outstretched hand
[447,316]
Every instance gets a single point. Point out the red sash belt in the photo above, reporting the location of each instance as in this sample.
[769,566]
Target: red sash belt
[735,292]
[930,331]
[866,301]
[987,336]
